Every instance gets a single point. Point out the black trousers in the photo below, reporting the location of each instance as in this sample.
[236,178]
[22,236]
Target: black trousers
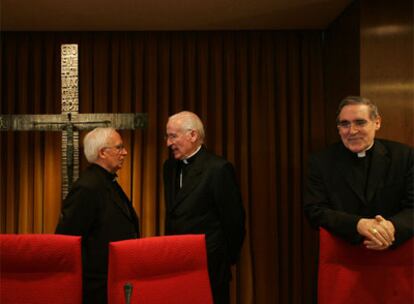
[219,271]
[221,293]
[95,291]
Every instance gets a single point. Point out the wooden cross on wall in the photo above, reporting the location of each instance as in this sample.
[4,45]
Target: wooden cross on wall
[70,122]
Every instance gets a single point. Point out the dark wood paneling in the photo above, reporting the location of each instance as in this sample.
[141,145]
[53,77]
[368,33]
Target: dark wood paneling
[341,54]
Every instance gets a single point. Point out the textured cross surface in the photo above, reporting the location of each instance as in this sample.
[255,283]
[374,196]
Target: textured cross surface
[70,121]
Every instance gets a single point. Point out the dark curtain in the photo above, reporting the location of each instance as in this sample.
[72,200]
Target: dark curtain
[259,94]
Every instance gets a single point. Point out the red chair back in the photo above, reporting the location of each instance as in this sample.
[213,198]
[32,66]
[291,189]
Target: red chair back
[40,269]
[353,274]
[168,269]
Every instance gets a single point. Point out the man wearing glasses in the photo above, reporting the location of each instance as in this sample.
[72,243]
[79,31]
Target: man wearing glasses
[97,209]
[362,189]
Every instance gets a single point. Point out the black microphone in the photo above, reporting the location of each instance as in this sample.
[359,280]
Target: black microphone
[128,292]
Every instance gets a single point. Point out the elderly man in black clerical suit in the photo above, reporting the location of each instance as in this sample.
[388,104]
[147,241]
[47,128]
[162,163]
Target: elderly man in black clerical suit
[202,197]
[362,189]
[97,209]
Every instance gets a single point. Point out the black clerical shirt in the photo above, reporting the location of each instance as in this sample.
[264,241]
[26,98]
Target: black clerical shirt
[361,169]
[183,166]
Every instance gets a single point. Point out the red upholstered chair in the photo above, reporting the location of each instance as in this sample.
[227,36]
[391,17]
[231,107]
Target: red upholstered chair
[168,269]
[353,274]
[40,269]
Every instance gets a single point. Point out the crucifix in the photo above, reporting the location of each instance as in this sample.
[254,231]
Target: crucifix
[70,121]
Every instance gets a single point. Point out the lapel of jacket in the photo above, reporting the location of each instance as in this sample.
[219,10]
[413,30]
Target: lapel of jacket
[378,170]
[114,197]
[345,167]
[120,202]
[192,179]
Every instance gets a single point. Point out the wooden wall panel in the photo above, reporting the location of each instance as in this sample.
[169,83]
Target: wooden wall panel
[387,67]
[369,52]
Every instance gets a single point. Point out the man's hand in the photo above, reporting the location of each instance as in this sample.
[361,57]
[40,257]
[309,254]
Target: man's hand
[374,246]
[378,232]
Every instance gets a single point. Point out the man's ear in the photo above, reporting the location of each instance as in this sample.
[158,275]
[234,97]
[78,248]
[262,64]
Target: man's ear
[101,153]
[377,123]
[194,136]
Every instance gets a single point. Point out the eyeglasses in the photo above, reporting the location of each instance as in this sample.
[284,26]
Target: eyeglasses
[118,148]
[358,123]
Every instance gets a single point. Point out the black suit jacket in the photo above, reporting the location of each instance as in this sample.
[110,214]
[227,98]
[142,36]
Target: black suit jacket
[334,200]
[209,203]
[97,211]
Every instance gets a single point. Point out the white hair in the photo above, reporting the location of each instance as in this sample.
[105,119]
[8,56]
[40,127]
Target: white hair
[189,121]
[94,141]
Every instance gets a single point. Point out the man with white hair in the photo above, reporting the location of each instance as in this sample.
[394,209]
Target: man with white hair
[97,209]
[202,197]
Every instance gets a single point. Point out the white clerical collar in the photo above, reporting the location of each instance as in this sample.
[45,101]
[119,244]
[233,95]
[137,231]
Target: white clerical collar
[364,153]
[185,160]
